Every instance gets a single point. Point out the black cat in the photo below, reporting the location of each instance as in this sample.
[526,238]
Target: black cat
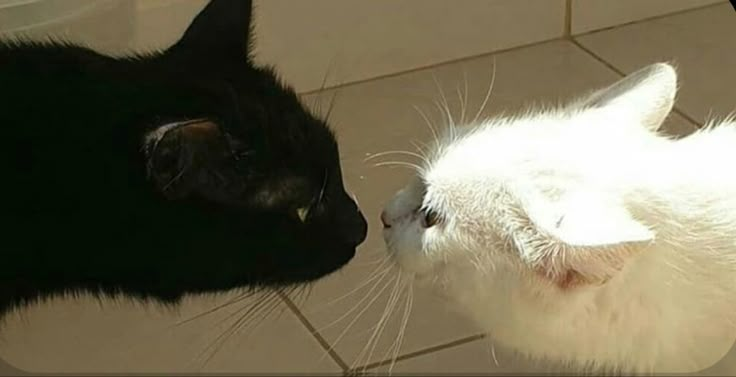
[185,171]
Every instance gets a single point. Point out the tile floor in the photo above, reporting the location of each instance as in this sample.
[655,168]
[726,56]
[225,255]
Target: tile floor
[319,334]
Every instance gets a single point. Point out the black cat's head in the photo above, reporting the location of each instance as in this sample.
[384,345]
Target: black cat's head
[259,172]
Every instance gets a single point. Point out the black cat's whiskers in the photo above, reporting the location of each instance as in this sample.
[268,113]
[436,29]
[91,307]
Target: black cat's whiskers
[239,298]
[302,294]
[249,316]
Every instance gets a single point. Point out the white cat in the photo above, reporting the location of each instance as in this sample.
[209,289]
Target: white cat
[580,235]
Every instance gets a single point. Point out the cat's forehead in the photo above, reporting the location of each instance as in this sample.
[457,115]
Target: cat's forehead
[547,152]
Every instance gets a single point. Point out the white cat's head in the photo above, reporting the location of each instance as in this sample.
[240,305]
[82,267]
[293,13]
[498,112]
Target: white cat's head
[540,196]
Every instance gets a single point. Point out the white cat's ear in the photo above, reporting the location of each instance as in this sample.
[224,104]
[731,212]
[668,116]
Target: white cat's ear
[589,220]
[646,96]
[583,238]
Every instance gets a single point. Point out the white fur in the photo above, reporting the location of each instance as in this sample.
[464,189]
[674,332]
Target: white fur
[645,224]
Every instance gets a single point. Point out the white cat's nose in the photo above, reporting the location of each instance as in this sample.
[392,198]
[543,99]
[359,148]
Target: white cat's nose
[384,220]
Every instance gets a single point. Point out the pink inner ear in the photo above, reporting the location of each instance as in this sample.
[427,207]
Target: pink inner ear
[200,130]
[572,267]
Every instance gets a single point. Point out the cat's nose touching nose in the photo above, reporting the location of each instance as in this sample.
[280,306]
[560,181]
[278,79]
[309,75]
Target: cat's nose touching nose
[384,220]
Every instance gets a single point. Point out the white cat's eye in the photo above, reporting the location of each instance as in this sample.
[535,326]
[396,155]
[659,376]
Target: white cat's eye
[302,214]
[430,218]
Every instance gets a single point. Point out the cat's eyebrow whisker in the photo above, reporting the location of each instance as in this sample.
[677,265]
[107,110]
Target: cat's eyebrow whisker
[447,117]
[355,199]
[386,153]
[465,97]
[462,105]
[429,124]
[443,99]
[488,93]
[400,163]
[422,147]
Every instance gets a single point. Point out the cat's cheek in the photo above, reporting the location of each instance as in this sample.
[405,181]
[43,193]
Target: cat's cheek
[405,247]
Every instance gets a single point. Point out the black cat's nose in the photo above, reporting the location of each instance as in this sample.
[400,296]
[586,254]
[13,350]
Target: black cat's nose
[361,229]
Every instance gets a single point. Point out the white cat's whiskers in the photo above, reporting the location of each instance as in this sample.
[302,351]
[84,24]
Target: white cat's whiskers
[463,98]
[387,153]
[369,294]
[354,197]
[404,324]
[444,106]
[422,149]
[382,323]
[488,94]
[414,167]
[430,125]
[384,268]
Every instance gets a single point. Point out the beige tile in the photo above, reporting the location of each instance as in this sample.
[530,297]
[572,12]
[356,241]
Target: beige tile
[725,367]
[483,357]
[590,15]
[159,23]
[364,39]
[79,336]
[476,357]
[356,40]
[700,42]
[379,116]
[106,26]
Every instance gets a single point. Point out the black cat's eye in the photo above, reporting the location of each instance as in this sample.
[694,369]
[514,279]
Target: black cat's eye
[242,155]
[303,213]
[430,218]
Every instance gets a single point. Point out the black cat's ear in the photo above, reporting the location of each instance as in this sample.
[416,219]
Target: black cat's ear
[222,28]
[177,154]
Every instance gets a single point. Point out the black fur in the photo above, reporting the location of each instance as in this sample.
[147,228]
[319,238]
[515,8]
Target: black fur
[90,207]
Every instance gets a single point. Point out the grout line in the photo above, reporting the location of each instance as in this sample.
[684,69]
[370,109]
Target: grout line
[507,49]
[651,18]
[567,32]
[312,330]
[421,352]
[610,66]
[429,66]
